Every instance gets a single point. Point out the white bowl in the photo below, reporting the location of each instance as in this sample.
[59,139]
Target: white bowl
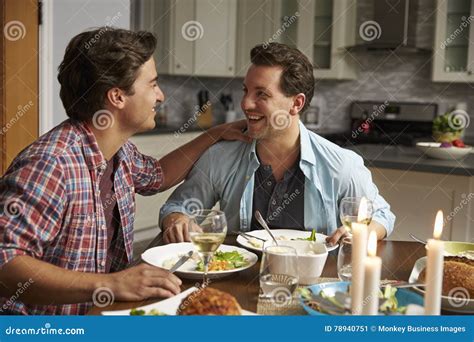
[433,150]
[312,257]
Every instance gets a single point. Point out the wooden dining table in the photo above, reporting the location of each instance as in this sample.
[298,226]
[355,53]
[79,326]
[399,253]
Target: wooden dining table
[398,258]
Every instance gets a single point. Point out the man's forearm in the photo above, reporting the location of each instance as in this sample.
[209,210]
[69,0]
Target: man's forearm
[379,229]
[177,163]
[50,284]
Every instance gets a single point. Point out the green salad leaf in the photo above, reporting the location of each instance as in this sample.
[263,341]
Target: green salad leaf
[152,312]
[443,124]
[234,260]
[312,237]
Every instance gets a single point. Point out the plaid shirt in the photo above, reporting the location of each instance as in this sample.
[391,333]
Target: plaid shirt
[52,209]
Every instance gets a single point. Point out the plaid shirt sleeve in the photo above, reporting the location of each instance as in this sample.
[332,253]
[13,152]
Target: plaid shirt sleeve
[146,171]
[32,195]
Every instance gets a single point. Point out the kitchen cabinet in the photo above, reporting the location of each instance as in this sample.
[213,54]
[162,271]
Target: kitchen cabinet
[453,50]
[415,197]
[322,29]
[195,37]
[148,207]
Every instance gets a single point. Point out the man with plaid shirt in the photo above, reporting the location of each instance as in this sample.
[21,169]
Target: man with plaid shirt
[68,199]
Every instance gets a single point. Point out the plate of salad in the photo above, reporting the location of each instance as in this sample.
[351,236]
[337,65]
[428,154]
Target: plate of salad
[226,261]
[255,239]
[334,299]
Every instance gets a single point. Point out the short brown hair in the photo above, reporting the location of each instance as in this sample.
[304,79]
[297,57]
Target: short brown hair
[98,60]
[297,76]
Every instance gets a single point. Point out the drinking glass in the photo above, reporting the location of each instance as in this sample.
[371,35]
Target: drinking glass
[207,230]
[278,274]
[348,212]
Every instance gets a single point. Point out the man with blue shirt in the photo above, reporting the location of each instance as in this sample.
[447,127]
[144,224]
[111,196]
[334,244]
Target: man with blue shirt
[294,177]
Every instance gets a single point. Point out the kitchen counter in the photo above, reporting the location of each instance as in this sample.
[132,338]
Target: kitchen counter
[412,159]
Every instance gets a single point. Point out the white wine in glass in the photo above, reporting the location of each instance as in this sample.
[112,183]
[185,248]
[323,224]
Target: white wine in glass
[207,230]
[349,212]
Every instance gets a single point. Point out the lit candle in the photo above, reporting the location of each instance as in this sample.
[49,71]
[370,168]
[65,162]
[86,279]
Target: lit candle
[372,270]
[434,269]
[359,249]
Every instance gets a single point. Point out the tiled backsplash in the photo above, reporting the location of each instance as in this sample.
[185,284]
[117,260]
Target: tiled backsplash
[382,76]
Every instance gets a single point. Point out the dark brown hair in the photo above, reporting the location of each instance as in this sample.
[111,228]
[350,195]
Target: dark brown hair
[98,60]
[297,76]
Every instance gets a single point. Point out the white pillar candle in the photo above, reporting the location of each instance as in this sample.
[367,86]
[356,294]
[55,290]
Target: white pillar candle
[434,269]
[359,249]
[372,271]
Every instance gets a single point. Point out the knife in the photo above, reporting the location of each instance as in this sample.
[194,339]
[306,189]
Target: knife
[260,220]
[181,261]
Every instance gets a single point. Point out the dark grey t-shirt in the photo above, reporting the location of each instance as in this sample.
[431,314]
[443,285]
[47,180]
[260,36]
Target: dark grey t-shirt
[281,204]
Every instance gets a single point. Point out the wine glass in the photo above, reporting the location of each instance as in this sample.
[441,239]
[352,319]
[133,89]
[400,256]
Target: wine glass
[349,212]
[207,230]
[278,274]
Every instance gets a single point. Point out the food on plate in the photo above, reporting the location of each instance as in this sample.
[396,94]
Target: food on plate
[259,243]
[340,302]
[209,301]
[445,145]
[152,312]
[444,130]
[224,261]
[221,261]
[458,143]
[458,273]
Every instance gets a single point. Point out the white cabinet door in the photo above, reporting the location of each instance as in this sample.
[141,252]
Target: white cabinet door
[321,29]
[453,50]
[415,197]
[215,51]
[195,37]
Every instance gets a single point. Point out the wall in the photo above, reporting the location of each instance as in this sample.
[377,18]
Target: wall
[70,17]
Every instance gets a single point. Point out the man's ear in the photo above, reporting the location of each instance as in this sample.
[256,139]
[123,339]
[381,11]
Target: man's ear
[298,103]
[116,98]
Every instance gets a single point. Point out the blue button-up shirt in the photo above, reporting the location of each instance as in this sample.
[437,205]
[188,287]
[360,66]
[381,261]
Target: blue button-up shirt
[225,174]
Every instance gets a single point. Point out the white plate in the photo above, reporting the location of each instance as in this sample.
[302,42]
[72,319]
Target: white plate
[433,150]
[447,303]
[167,306]
[287,234]
[157,256]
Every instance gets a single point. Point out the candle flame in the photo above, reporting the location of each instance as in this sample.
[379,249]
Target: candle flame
[438,226]
[362,214]
[372,244]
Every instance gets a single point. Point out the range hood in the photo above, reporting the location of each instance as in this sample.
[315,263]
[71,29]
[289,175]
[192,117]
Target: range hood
[392,28]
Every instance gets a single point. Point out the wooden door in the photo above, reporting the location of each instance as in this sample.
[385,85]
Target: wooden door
[19,77]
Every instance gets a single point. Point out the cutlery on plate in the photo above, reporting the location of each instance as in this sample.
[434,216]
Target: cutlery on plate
[260,220]
[181,261]
[417,239]
[400,284]
[248,237]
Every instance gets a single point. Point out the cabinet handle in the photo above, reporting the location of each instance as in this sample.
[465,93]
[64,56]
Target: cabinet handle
[469,72]
[230,68]
[178,66]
